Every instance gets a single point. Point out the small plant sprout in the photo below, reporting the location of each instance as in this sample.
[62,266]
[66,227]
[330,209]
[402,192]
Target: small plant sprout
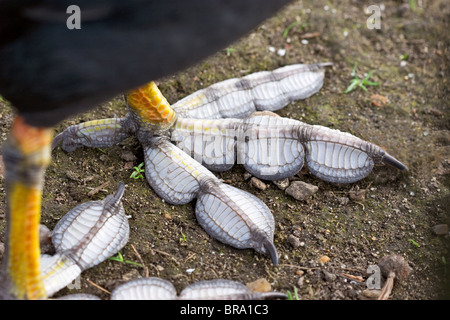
[413,242]
[293,297]
[137,173]
[120,258]
[357,82]
[292,25]
[230,51]
[183,237]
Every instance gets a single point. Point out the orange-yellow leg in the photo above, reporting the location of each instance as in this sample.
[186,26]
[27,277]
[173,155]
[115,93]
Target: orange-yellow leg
[151,106]
[26,154]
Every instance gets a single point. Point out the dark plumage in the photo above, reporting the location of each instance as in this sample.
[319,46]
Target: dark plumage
[49,72]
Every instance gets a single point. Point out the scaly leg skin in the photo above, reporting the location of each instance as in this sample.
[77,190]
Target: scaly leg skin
[158,289]
[86,236]
[266,90]
[274,148]
[150,109]
[26,154]
[96,134]
[233,98]
[228,214]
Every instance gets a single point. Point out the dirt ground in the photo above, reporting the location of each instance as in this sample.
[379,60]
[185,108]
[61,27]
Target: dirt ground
[395,212]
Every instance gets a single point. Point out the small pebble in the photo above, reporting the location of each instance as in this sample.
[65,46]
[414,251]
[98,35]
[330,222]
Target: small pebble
[258,184]
[282,184]
[293,241]
[247,176]
[190,270]
[301,190]
[440,229]
[299,272]
[260,285]
[330,277]
[128,165]
[159,268]
[378,100]
[323,259]
[281,52]
[128,156]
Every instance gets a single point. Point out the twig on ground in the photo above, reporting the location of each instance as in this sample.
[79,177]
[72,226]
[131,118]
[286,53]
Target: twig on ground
[141,260]
[97,286]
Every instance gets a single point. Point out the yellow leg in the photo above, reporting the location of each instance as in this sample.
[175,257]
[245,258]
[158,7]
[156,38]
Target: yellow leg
[151,106]
[24,253]
[26,155]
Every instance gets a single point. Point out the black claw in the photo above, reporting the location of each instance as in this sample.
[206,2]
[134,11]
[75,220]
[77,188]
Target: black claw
[119,193]
[273,295]
[325,64]
[270,248]
[390,160]
[57,140]
[318,66]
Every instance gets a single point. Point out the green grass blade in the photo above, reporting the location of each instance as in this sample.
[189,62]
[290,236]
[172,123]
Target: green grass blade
[119,257]
[369,75]
[352,85]
[289,27]
[362,87]
[289,295]
[133,263]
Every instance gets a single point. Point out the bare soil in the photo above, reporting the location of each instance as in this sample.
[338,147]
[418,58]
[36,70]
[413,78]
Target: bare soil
[394,214]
